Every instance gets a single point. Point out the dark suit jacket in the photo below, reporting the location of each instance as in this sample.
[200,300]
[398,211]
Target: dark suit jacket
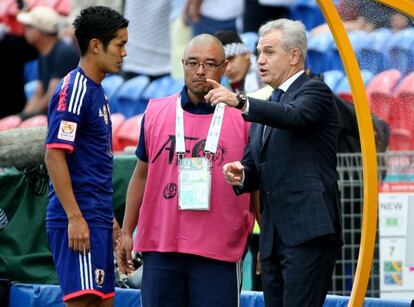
[295,167]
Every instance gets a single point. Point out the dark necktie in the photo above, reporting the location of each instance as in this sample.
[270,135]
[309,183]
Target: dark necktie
[274,98]
[276,94]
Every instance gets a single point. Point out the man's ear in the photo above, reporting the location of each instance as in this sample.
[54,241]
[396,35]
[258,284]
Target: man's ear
[95,45]
[225,63]
[294,56]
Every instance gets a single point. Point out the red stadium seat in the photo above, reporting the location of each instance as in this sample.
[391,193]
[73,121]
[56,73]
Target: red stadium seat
[346,96]
[400,139]
[129,131]
[63,7]
[117,120]
[405,101]
[8,13]
[35,121]
[381,95]
[344,89]
[10,122]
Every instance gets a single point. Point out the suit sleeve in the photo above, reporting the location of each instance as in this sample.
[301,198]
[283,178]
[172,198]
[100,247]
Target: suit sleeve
[250,174]
[306,108]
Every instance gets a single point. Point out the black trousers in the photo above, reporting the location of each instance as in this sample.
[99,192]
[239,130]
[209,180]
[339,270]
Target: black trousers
[299,276]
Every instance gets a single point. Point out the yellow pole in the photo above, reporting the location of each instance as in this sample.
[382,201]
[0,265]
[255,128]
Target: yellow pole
[369,157]
[404,6]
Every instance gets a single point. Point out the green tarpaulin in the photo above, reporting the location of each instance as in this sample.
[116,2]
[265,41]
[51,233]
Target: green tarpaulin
[24,251]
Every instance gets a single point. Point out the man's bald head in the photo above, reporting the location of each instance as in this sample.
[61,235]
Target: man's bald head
[206,40]
[203,59]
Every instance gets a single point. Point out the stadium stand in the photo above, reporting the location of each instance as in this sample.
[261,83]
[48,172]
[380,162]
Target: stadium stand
[370,54]
[128,133]
[380,92]
[332,78]
[343,88]
[31,70]
[404,94]
[250,40]
[400,139]
[320,52]
[111,84]
[356,38]
[29,89]
[117,120]
[161,87]
[401,51]
[308,12]
[127,99]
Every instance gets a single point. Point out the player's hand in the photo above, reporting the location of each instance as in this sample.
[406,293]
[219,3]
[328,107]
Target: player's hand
[78,235]
[233,172]
[219,93]
[124,255]
[116,235]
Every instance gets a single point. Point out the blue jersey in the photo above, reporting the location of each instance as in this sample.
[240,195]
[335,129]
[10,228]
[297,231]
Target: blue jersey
[79,122]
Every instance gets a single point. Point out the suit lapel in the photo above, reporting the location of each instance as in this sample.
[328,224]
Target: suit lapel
[264,133]
[286,97]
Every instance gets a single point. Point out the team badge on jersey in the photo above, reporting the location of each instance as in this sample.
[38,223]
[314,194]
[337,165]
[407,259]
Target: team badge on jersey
[99,276]
[67,131]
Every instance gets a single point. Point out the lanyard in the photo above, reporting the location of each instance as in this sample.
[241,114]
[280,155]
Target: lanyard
[213,132]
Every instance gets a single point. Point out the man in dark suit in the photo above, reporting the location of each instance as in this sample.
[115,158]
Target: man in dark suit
[291,159]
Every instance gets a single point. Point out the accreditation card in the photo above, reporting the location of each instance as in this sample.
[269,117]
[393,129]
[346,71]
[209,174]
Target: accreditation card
[194,184]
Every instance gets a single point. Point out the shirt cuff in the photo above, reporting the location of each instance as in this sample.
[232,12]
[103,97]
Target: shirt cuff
[241,185]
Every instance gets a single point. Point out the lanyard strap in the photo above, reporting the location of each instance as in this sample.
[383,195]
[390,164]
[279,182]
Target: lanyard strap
[213,132]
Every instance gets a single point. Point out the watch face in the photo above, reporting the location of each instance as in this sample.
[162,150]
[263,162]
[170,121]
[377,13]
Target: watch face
[242,100]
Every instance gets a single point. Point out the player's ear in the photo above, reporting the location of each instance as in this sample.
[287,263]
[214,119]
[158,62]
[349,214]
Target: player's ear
[95,45]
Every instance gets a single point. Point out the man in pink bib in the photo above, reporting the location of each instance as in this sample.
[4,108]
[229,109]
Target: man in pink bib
[192,229]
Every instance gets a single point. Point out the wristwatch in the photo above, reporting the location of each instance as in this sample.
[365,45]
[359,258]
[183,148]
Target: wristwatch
[242,98]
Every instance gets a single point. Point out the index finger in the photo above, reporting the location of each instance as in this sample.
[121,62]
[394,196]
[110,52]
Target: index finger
[213,83]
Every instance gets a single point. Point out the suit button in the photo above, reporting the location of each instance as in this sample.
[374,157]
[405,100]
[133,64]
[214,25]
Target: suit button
[263,164]
[268,193]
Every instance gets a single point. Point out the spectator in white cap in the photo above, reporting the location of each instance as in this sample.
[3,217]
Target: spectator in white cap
[42,18]
[241,69]
[56,58]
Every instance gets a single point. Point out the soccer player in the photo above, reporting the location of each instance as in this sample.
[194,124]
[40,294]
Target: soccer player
[79,159]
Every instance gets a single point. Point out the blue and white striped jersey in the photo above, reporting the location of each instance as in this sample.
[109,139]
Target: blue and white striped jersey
[79,122]
[3,219]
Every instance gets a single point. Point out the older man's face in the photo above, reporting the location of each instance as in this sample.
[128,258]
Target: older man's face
[274,62]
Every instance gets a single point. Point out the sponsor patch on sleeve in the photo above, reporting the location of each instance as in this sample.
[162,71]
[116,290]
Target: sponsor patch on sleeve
[67,131]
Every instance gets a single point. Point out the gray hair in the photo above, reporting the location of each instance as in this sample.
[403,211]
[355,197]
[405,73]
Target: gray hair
[293,32]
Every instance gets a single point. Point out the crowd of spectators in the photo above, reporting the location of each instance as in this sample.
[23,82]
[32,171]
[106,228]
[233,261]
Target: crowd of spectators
[158,32]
